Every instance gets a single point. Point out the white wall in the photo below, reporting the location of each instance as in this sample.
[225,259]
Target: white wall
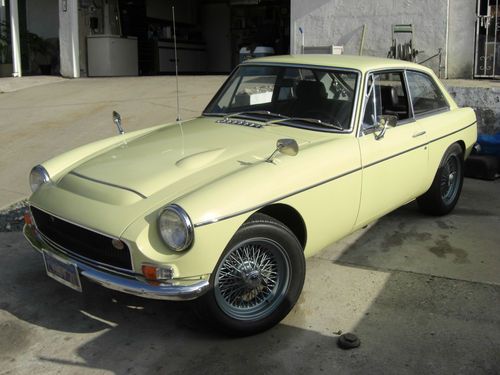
[340,22]
[462,37]
[42,18]
[68,39]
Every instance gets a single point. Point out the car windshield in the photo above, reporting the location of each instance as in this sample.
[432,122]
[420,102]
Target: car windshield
[318,99]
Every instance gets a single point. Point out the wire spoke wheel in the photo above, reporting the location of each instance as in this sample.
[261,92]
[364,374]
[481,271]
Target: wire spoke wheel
[442,196]
[252,279]
[449,181]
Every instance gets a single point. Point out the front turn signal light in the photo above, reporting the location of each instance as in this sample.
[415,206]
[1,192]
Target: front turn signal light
[157,273]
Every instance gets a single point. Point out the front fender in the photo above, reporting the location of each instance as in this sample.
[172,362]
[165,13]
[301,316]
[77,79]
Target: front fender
[200,260]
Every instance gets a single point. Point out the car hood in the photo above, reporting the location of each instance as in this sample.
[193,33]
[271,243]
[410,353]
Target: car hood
[180,157]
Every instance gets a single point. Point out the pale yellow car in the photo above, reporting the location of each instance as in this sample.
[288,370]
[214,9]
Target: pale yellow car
[292,154]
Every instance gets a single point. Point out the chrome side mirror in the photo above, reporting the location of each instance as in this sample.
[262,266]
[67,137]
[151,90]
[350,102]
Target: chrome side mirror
[286,146]
[383,122]
[117,119]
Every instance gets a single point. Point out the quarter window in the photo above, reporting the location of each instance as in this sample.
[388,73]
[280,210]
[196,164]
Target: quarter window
[425,94]
[386,95]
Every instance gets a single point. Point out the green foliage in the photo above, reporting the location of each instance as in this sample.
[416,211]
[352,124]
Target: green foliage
[4,42]
[37,45]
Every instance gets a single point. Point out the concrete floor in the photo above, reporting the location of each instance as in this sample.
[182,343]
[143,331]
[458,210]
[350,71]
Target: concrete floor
[422,293]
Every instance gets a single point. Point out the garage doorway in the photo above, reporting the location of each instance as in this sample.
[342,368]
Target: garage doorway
[210,33]
[39,37]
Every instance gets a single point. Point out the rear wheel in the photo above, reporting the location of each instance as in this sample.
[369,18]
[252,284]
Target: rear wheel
[445,190]
[258,279]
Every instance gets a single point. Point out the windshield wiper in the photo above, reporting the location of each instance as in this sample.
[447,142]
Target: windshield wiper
[263,113]
[314,122]
[247,114]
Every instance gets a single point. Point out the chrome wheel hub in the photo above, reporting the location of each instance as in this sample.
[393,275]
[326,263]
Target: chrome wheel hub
[251,277]
[451,178]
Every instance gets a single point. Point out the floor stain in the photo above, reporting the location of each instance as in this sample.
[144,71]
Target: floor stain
[444,225]
[397,238]
[14,338]
[472,212]
[443,247]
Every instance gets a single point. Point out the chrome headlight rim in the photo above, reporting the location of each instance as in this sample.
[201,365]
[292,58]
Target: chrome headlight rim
[188,224]
[42,173]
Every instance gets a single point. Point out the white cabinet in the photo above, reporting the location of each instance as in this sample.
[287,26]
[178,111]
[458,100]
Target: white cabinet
[191,57]
[110,55]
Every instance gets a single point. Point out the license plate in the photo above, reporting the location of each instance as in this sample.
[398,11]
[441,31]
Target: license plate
[61,270]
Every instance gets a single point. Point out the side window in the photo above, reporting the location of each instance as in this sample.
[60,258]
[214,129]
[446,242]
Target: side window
[425,94]
[394,100]
[386,95]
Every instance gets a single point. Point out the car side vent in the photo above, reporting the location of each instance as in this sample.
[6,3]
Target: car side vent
[232,121]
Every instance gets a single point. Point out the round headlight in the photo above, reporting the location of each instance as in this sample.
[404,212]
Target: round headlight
[175,228]
[38,177]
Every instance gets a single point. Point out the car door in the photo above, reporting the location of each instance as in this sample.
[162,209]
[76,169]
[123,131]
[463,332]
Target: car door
[394,159]
[432,112]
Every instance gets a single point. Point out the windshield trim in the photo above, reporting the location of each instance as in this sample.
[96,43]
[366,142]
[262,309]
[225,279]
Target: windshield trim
[307,66]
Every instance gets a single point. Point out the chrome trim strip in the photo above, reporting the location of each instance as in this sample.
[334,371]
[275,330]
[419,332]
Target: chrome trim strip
[409,96]
[142,289]
[83,227]
[197,225]
[108,183]
[203,223]
[456,131]
[416,147]
[72,222]
[137,287]
[81,258]
[408,93]
[393,156]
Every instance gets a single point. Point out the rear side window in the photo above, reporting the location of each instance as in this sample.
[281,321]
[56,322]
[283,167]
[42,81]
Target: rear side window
[425,94]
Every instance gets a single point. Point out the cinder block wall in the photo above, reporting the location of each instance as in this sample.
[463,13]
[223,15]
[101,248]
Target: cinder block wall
[484,97]
[340,22]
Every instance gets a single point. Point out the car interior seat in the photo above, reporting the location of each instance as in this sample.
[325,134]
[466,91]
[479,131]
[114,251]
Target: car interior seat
[391,104]
[311,98]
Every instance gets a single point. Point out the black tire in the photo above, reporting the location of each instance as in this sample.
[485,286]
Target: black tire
[445,190]
[257,280]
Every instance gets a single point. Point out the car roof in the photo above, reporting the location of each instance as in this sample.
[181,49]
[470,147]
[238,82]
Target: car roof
[361,63]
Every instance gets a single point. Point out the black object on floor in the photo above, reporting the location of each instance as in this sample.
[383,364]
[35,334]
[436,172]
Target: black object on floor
[485,167]
[349,341]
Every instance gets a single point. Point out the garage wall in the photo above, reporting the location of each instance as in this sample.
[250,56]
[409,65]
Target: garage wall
[340,22]
[461,39]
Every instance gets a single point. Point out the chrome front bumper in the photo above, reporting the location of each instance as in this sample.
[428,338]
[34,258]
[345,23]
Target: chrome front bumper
[120,283]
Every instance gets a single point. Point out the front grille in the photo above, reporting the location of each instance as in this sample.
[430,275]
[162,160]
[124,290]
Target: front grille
[81,241]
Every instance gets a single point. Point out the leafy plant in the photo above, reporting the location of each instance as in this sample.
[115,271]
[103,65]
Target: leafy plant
[37,45]
[4,43]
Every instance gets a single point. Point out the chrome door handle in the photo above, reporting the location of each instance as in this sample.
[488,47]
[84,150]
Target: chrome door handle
[419,134]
